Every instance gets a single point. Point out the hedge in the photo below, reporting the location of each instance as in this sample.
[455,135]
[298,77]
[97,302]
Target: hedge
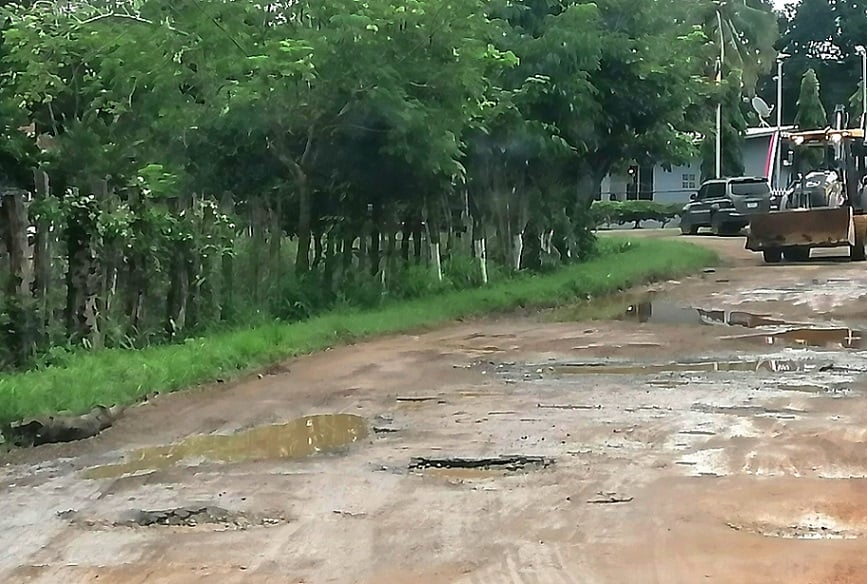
[622,212]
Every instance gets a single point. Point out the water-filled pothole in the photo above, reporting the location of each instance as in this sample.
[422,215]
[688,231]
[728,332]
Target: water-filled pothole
[844,338]
[666,312]
[758,365]
[648,308]
[296,439]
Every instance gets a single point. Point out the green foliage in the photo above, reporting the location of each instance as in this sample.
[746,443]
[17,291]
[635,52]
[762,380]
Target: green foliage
[119,376]
[811,112]
[623,212]
[822,36]
[216,164]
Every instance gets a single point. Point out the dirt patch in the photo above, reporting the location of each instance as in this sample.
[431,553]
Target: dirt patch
[809,526]
[297,439]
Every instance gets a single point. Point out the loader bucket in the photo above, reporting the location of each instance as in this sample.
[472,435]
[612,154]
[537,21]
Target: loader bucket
[818,227]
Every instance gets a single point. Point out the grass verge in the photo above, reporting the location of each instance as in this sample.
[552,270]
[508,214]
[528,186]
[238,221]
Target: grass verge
[118,376]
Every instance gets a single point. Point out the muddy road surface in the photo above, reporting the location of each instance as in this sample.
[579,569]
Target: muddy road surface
[706,430]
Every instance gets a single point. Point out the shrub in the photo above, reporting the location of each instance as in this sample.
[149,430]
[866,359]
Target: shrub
[622,212]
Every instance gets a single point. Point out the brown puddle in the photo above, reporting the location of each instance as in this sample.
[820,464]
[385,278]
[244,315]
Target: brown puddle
[296,439]
[664,312]
[845,338]
[772,365]
[645,308]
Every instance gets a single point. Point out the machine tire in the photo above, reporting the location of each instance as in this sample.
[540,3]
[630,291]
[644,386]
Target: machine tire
[797,254]
[773,255]
[857,252]
[689,229]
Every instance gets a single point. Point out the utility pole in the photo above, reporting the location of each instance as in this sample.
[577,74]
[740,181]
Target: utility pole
[777,157]
[719,69]
[863,52]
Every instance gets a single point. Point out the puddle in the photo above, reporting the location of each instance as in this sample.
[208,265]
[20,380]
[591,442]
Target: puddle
[665,312]
[770,365]
[296,439]
[646,308]
[845,338]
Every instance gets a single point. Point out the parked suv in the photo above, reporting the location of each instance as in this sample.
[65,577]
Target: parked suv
[725,205]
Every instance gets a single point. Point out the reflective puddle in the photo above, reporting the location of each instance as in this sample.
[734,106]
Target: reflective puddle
[844,338]
[771,365]
[664,312]
[296,439]
[645,308]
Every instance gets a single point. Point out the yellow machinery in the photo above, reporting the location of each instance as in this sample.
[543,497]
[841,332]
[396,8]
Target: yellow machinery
[823,205]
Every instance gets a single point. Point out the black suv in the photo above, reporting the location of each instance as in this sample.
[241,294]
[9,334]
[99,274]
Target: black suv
[725,205]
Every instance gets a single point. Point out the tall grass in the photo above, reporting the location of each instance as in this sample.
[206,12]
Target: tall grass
[117,376]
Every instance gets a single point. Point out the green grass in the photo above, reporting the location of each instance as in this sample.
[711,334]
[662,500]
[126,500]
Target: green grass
[118,376]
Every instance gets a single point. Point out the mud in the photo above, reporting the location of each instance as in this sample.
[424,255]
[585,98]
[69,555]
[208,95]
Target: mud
[683,451]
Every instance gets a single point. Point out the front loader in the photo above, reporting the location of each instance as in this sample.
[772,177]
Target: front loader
[824,205]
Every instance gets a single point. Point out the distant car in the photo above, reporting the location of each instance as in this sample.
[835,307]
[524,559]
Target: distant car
[725,205]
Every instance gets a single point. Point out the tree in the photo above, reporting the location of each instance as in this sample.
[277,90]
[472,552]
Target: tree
[743,32]
[734,125]
[822,36]
[649,97]
[811,115]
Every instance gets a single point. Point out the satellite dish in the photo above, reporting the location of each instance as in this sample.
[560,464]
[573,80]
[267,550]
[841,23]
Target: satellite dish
[762,109]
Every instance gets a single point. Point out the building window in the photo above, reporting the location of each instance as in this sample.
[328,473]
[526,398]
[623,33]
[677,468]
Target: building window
[689,182]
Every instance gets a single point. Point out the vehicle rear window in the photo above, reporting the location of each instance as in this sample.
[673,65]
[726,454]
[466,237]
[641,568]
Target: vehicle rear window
[750,188]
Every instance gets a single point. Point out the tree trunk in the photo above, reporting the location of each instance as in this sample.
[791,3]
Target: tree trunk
[318,250]
[275,234]
[532,248]
[302,259]
[375,249]
[405,235]
[416,240]
[21,334]
[479,248]
[330,258]
[433,237]
[82,274]
[179,281]
[257,227]
[227,266]
[42,253]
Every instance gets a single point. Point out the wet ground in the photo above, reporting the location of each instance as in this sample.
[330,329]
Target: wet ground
[706,430]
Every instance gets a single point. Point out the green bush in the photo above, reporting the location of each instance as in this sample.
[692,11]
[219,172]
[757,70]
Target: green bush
[623,212]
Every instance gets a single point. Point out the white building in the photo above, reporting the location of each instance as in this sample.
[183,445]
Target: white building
[654,183]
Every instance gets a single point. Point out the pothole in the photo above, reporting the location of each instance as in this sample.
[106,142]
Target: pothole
[189,516]
[810,526]
[294,440]
[478,468]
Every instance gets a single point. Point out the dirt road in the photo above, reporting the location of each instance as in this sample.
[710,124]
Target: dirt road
[713,432]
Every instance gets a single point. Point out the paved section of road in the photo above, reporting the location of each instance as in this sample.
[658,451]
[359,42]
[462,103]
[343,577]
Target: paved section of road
[713,431]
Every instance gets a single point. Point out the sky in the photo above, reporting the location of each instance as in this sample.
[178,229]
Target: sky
[781,3]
